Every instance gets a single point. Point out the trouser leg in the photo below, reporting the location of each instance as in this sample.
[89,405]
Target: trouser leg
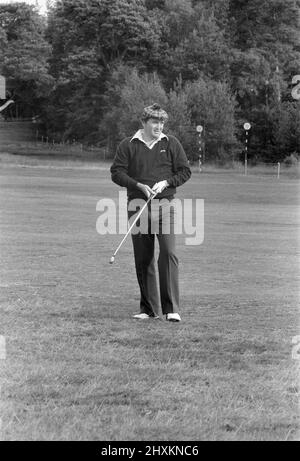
[143,246]
[168,264]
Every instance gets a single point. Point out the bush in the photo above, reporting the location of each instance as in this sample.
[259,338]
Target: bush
[201,102]
[286,129]
[212,105]
[127,94]
[291,160]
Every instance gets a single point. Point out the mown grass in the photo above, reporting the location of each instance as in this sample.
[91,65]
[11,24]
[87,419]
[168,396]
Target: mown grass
[38,154]
[78,367]
[52,155]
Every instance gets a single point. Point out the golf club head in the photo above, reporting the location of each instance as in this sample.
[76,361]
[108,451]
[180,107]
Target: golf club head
[112,260]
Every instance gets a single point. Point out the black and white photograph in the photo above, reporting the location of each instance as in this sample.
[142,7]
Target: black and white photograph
[149,223]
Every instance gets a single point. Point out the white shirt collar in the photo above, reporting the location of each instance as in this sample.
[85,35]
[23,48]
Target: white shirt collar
[139,135]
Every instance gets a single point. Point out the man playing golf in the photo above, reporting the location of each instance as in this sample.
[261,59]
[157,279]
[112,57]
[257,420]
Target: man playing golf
[147,164]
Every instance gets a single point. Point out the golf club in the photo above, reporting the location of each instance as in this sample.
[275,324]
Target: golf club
[112,259]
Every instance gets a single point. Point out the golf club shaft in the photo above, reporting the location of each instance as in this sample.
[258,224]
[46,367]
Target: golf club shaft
[133,224]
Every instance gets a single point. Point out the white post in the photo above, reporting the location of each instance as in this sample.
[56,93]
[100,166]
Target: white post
[246,127]
[278,170]
[199,129]
[246,153]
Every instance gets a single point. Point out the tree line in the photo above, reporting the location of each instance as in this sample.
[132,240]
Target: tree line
[90,66]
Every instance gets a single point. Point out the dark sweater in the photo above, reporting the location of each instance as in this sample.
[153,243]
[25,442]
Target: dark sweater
[136,163]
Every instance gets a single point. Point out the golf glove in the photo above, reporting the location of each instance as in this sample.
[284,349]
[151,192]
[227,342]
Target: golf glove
[160,186]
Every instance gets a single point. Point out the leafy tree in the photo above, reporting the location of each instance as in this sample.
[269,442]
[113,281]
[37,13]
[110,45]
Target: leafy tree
[128,92]
[155,4]
[272,26]
[219,9]
[180,21]
[89,39]
[250,79]
[23,59]
[286,129]
[213,106]
[180,123]
[203,53]
[103,60]
[76,102]
[117,30]
[267,53]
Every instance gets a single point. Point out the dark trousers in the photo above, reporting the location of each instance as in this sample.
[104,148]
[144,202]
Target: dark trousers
[161,225]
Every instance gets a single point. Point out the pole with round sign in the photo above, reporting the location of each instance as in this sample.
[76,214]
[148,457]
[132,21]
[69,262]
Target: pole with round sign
[199,129]
[247,127]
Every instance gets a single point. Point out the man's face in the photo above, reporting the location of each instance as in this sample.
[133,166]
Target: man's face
[153,128]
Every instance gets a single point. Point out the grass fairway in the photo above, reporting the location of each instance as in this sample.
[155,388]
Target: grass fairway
[77,366]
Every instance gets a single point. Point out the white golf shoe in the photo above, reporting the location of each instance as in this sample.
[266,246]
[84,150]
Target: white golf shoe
[173,317]
[144,316]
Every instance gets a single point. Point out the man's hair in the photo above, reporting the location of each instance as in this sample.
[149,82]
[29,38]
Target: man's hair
[154,111]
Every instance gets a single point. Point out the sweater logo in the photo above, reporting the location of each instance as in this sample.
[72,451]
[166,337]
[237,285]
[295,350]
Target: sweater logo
[163,150]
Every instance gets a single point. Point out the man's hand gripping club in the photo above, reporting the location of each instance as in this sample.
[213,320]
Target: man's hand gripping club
[156,189]
[150,195]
